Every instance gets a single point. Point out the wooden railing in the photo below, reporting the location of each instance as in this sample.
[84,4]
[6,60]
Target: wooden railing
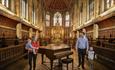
[105,54]
[108,45]
[11,54]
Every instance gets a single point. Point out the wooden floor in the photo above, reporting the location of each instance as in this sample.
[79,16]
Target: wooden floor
[22,64]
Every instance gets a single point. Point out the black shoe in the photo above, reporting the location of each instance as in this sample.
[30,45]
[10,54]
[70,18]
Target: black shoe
[33,68]
[30,67]
[78,66]
[83,67]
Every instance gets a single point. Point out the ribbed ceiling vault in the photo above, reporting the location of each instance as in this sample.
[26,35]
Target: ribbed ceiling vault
[57,5]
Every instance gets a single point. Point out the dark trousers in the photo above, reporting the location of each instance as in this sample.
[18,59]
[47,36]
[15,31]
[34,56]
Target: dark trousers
[32,59]
[81,56]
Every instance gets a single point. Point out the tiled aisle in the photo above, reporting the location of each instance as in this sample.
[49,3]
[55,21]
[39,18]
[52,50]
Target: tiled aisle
[23,64]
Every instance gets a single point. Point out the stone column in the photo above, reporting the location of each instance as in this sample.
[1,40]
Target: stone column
[88,10]
[95,31]
[36,34]
[30,11]
[51,21]
[13,6]
[77,34]
[78,18]
[63,19]
[36,12]
[17,7]
[27,6]
[40,15]
[75,16]
[30,32]
[83,19]
[102,6]
[19,30]
[96,9]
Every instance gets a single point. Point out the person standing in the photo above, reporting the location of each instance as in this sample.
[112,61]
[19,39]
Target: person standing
[30,53]
[35,46]
[91,57]
[82,46]
[31,46]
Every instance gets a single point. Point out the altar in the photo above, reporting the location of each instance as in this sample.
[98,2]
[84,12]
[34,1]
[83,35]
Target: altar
[57,34]
[57,31]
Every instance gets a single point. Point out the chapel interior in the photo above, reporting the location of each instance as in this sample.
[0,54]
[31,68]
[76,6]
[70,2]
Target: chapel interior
[57,25]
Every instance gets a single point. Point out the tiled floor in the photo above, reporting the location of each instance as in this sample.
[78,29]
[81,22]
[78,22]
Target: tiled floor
[23,64]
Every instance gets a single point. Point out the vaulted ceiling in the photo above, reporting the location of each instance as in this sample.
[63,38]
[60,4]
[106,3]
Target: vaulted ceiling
[58,5]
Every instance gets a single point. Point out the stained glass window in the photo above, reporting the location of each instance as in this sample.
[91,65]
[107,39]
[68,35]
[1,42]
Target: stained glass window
[47,20]
[5,3]
[67,20]
[109,3]
[57,19]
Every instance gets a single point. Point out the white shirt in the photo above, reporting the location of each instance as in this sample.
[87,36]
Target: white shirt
[90,55]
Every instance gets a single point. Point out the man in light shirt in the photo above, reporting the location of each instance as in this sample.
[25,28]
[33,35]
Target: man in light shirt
[82,45]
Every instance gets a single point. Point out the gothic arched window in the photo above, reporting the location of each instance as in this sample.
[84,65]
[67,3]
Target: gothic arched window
[109,3]
[5,3]
[47,19]
[67,20]
[57,19]
[24,8]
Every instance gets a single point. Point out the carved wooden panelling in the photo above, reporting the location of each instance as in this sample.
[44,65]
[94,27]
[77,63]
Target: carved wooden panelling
[107,23]
[106,33]
[24,27]
[8,27]
[7,22]
[89,28]
[107,27]
[8,33]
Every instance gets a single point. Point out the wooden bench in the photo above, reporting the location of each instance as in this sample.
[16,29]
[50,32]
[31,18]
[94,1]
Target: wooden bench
[105,56]
[11,54]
